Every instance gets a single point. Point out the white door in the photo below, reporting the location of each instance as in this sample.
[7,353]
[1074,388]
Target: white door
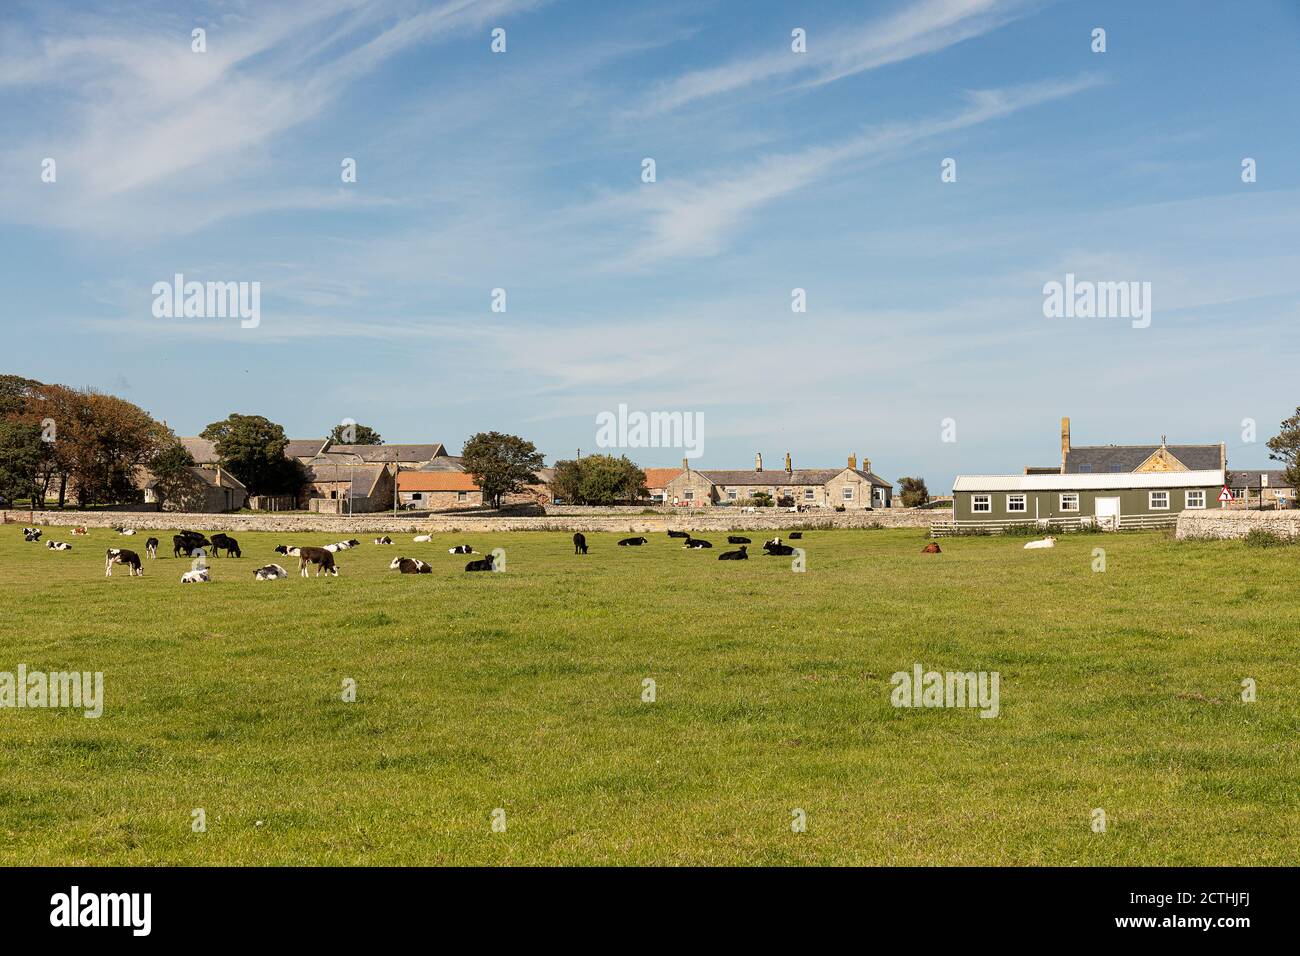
[1107,513]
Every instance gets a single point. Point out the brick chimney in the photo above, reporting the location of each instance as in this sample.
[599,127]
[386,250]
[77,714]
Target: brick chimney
[853,462]
[1065,442]
[866,464]
[686,464]
[788,469]
[758,461]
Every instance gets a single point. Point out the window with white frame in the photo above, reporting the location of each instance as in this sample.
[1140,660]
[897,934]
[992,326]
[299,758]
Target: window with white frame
[848,492]
[1196,499]
[1070,502]
[807,494]
[688,495]
[981,504]
[1158,500]
[1016,503]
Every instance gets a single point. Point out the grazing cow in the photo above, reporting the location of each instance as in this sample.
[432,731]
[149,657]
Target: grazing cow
[220,541]
[151,548]
[778,550]
[384,540]
[932,548]
[579,543]
[483,564]
[270,573]
[324,561]
[741,555]
[197,576]
[679,534]
[124,557]
[632,542]
[421,538]
[696,543]
[32,534]
[288,550]
[736,539]
[796,535]
[461,549]
[1045,543]
[58,546]
[187,542]
[410,566]
[774,541]
[79,531]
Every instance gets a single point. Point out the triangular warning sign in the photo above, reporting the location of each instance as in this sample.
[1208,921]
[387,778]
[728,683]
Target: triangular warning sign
[1225,494]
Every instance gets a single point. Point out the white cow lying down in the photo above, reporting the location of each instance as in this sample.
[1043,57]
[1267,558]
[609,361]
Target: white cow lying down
[198,576]
[1045,543]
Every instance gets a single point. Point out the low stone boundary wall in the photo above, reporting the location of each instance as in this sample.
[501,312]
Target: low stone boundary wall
[702,520]
[1227,523]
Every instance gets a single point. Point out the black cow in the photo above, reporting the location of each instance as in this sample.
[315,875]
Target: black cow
[484,564]
[220,541]
[735,539]
[632,542]
[679,534]
[187,542]
[579,543]
[741,555]
[778,550]
[796,535]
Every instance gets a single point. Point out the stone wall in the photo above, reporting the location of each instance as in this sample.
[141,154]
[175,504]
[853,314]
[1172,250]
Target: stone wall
[713,519]
[1228,523]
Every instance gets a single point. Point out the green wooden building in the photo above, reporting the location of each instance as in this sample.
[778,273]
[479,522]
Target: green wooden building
[1116,501]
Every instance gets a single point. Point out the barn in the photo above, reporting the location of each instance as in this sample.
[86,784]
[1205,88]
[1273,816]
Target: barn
[1117,501]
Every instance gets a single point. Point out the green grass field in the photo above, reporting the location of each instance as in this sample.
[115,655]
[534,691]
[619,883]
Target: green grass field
[522,691]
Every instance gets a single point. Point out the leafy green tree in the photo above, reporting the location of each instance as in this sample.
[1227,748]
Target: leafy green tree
[913,492]
[500,464]
[598,480]
[761,499]
[355,435]
[1285,448]
[171,464]
[22,454]
[252,447]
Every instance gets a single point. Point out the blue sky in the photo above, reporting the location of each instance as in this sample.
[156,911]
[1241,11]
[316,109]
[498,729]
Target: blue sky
[775,171]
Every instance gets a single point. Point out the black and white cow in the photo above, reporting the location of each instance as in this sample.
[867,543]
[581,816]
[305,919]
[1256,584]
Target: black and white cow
[31,534]
[774,541]
[384,540]
[461,549]
[579,543]
[632,542]
[58,546]
[288,550]
[197,576]
[151,548]
[129,559]
[125,531]
[741,555]
[271,572]
[410,566]
[696,543]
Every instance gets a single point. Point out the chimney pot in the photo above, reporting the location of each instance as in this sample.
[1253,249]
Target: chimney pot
[788,469]
[1065,442]
[853,462]
[686,465]
[866,464]
[758,461]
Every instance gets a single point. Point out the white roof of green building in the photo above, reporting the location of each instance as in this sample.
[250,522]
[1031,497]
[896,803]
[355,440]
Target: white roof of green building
[1087,482]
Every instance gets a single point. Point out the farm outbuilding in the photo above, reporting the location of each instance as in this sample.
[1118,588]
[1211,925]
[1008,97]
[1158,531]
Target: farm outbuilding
[1110,500]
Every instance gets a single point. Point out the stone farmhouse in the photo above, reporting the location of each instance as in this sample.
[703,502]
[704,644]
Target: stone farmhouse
[850,487]
[1268,488]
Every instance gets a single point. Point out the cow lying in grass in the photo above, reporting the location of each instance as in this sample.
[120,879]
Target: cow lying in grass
[31,534]
[271,572]
[324,561]
[197,576]
[410,566]
[632,542]
[679,534]
[696,543]
[288,550]
[932,548]
[778,550]
[461,549]
[121,556]
[774,541]
[58,546]
[483,564]
[736,539]
[796,535]
[422,538]
[125,531]
[79,531]
[741,555]
[579,543]
[1045,543]
[220,541]
[384,540]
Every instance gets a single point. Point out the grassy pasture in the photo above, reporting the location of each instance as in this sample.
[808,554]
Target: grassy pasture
[522,690]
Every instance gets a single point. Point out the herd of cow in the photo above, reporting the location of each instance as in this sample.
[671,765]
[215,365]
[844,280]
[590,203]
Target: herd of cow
[194,544]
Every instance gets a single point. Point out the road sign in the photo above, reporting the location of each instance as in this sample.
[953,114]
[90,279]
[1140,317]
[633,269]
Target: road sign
[1225,494]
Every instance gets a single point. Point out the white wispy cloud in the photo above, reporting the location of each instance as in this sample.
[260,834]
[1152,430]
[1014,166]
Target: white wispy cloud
[913,30]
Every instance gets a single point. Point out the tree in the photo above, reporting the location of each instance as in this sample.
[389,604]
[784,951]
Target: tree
[500,464]
[761,499]
[251,448]
[21,455]
[354,434]
[598,480]
[171,464]
[913,492]
[1285,448]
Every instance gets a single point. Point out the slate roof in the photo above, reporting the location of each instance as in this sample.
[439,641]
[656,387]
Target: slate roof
[365,477]
[1124,458]
[201,450]
[403,454]
[1250,479]
[304,447]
